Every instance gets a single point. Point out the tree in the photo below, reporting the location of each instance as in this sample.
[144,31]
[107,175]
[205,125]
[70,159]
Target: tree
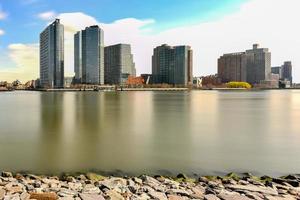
[238,85]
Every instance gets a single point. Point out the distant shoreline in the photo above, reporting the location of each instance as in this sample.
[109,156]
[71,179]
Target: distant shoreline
[148,89]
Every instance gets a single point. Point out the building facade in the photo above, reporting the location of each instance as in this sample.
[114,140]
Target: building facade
[252,66]
[118,64]
[258,65]
[172,65]
[89,55]
[232,67]
[52,56]
[287,71]
[277,71]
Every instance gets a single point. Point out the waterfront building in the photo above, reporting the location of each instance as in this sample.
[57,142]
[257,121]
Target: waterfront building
[258,65]
[277,70]
[52,56]
[89,55]
[286,71]
[78,57]
[232,67]
[118,64]
[252,66]
[172,65]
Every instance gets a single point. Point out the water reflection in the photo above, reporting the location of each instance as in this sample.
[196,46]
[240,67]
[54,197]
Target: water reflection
[151,132]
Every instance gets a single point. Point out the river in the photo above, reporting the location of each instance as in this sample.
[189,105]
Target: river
[203,132]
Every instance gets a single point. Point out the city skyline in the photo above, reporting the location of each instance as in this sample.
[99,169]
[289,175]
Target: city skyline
[19,56]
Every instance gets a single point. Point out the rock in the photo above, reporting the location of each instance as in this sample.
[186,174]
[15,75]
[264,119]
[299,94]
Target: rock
[137,180]
[91,189]
[198,192]
[67,193]
[95,177]
[114,195]
[232,196]
[91,197]
[182,176]
[24,196]
[292,177]
[254,195]
[2,193]
[294,183]
[43,196]
[157,195]
[7,174]
[12,197]
[253,188]
[113,183]
[178,191]
[174,197]
[211,197]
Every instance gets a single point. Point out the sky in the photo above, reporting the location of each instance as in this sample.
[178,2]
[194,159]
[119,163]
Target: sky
[210,27]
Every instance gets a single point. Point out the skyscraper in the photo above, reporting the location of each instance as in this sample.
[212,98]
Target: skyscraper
[52,56]
[258,65]
[286,71]
[172,65]
[118,64]
[232,67]
[78,57]
[89,55]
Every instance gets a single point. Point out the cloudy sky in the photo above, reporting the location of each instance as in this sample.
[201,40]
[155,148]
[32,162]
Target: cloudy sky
[211,27]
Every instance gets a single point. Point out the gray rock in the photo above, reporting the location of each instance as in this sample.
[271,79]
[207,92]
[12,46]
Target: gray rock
[211,197]
[178,192]
[91,189]
[7,174]
[91,197]
[232,196]
[157,195]
[253,188]
[67,193]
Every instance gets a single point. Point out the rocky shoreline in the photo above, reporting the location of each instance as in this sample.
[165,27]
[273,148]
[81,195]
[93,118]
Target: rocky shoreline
[93,186]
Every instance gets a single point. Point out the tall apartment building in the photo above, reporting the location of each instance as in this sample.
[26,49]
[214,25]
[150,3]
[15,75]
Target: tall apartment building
[258,65]
[89,55]
[232,67]
[252,66]
[118,64]
[287,71]
[172,65]
[52,56]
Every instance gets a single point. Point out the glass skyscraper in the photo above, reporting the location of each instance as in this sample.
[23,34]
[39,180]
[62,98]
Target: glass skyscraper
[52,56]
[118,64]
[172,65]
[89,55]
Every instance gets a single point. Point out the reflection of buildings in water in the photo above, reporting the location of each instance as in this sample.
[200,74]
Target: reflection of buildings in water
[171,132]
[50,145]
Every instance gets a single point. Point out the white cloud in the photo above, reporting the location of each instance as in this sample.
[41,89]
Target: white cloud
[49,15]
[274,27]
[3,15]
[272,23]
[26,60]
[2,32]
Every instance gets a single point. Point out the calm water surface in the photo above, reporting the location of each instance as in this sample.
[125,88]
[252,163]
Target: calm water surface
[151,132]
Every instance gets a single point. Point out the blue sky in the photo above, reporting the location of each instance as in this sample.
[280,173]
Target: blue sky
[22,14]
[211,27]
